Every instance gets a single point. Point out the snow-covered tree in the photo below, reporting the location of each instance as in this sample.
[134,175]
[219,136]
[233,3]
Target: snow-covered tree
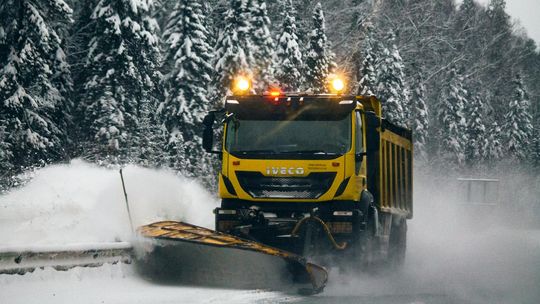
[31,87]
[497,31]
[233,51]
[476,130]
[318,59]
[263,45]
[288,60]
[465,20]
[367,84]
[65,107]
[391,88]
[420,120]
[493,145]
[451,118]
[6,160]
[6,157]
[187,72]
[367,77]
[496,12]
[467,32]
[517,124]
[535,150]
[121,79]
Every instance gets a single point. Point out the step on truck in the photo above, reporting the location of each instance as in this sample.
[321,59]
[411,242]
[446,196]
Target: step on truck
[321,176]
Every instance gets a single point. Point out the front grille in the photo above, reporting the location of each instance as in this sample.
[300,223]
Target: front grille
[224,226]
[340,227]
[310,187]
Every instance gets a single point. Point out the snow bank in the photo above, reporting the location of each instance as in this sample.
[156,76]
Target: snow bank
[82,203]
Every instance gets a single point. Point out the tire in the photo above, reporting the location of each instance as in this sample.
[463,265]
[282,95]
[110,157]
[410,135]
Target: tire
[397,246]
[361,257]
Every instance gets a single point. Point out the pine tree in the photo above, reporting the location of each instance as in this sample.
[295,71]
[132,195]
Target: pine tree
[63,114]
[288,62]
[31,91]
[476,130]
[6,157]
[517,124]
[6,160]
[466,8]
[263,45]
[187,75]
[493,146]
[318,60]
[467,32]
[120,80]
[391,88]
[367,83]
[420,120]
[452,122]
[233,51]
[465,17]
[498,60]
[535,155]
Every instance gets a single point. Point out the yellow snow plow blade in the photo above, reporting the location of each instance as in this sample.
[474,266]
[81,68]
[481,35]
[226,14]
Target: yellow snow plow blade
[198,255]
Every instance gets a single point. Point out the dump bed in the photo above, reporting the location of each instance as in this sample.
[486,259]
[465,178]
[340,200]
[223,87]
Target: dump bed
[390,161]
[396,165]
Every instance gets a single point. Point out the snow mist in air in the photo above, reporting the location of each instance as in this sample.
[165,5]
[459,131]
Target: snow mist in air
[457,253]
[82,203]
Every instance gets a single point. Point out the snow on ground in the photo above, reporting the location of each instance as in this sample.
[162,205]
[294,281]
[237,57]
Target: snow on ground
[80,203]
[114,284]
[494,266]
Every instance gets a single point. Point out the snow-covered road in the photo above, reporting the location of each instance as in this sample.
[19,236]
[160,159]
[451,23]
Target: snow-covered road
[496,266]
[113,284]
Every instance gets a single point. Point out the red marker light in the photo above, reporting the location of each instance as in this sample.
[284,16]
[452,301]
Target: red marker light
[335,164]
[236,163]
[275,101]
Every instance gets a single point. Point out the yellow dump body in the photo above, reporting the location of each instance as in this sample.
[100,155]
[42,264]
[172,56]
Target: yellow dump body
[395,179]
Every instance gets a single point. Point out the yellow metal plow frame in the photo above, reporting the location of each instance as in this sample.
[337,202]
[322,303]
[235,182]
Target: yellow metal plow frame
[181,234]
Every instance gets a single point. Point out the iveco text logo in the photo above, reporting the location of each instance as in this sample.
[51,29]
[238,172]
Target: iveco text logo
[284,171]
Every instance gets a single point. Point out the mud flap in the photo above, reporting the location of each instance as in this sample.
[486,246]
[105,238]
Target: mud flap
[188,254]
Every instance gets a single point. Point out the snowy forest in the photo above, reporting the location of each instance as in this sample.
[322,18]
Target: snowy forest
[129,81]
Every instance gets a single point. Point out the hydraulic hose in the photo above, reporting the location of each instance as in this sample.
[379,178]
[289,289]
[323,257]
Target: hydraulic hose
[325,228]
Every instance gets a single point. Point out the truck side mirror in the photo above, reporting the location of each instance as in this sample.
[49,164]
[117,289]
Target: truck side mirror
[372,136]
[359,157]
[208,132]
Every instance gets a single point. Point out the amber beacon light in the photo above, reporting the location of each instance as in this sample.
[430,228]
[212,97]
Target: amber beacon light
[337,85]
[241,85]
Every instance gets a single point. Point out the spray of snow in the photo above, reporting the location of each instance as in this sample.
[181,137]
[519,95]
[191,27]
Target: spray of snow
[455,254]
[82,203]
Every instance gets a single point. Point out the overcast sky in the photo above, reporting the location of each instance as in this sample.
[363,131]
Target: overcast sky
[528,12]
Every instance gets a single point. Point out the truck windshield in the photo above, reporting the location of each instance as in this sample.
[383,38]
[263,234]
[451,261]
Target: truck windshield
[289,137]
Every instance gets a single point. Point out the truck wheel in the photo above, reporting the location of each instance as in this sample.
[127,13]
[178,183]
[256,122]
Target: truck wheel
[397,246]
[362,249]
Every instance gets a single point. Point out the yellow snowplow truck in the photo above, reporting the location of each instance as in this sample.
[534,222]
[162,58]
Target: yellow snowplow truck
[313,175]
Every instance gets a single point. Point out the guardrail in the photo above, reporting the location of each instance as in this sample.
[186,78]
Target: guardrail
[479,191]
[20,260]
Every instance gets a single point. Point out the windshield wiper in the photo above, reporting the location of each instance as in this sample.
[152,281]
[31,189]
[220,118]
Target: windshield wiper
[309,152]
[255,152]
